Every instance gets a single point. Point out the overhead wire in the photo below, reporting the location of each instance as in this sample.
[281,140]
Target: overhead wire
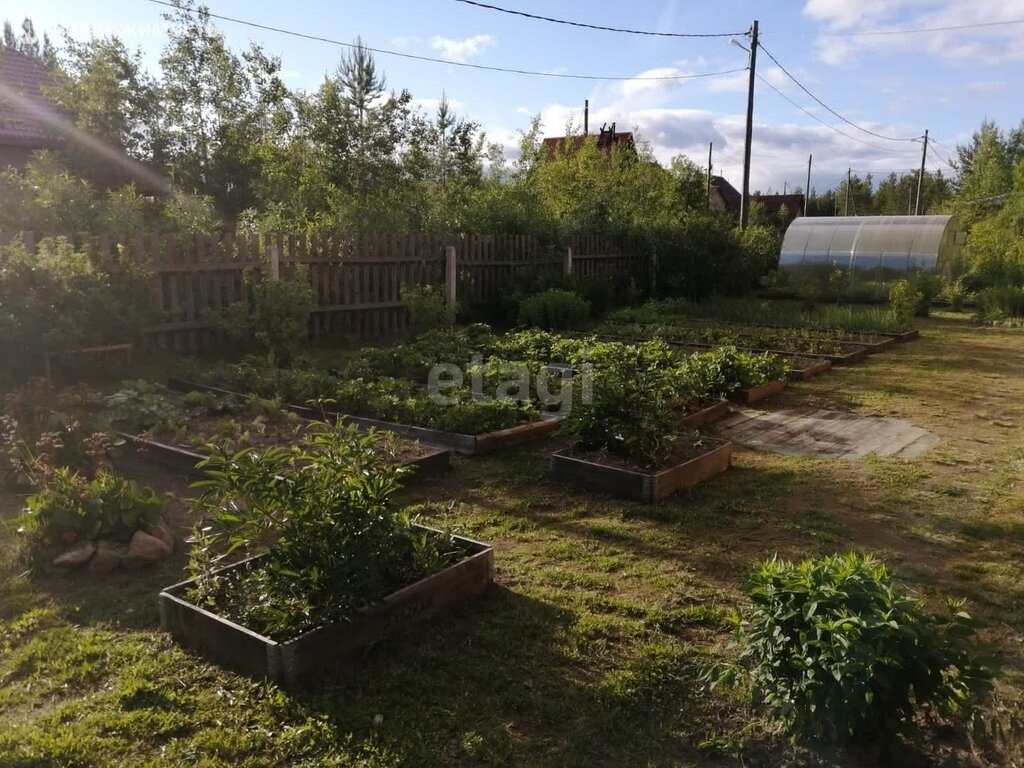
[450,62]
[923,30]
[825,123]
[551,20]
[846,120]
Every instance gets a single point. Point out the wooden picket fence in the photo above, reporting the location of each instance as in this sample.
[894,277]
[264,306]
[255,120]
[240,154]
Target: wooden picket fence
[356,277]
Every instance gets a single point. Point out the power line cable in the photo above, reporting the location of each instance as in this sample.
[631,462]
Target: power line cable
[924,30]
[827,124]
[940,158]
[826,106]
[415,57]
[584,25]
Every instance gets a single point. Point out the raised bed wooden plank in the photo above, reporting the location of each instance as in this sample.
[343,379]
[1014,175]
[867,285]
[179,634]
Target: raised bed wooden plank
[762,392]
[810,371]
[296,662]
[708,415]
[642,486]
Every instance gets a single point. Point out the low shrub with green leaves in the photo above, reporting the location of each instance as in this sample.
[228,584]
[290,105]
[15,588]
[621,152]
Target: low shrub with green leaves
[60,298]
[69,507]
[904,301]
[835,649]
[724,372]
[276,320]
[554,310]
[1001,303]
[323,514]
[425,308]
[633,408]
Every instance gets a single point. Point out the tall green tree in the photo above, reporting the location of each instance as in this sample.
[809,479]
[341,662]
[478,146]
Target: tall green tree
[359,131]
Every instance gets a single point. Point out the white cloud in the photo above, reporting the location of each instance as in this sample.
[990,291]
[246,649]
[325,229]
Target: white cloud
[986,46]
[632,88]
[462,50]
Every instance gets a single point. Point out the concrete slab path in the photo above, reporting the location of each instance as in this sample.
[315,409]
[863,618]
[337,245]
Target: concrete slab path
[828,434]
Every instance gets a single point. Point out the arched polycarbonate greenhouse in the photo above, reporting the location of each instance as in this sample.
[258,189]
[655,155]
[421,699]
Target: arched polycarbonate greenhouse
[872,243]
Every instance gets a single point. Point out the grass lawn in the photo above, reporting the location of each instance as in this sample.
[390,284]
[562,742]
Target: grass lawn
[587,651]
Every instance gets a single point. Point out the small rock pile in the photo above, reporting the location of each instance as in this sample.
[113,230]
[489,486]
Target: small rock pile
[100,556]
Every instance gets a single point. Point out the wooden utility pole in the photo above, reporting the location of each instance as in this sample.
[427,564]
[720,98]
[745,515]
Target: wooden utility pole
[807,189]
[711,146]
[745,199]
[919,208]
[846,207]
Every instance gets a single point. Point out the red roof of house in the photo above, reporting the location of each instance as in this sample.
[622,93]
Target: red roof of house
[20,124]
[606,140]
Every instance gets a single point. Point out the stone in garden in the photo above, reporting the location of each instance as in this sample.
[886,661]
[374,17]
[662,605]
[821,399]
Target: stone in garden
[108,556]
[75,557]
[163,532]
[144,549]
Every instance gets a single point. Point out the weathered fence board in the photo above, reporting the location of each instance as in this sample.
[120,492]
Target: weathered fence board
[356,278]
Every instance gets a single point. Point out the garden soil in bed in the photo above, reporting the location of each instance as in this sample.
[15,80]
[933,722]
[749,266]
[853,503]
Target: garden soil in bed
[600,471]
[299,660]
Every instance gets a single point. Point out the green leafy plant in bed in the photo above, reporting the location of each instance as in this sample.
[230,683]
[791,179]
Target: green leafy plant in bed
[69,505]
[724,372]
[633,408]
[834,649]
[322,514]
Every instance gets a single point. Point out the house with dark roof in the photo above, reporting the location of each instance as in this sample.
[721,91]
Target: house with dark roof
[725,197]
[608,139]
[24,107]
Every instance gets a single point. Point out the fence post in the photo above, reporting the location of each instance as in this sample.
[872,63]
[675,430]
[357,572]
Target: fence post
[275,262]
[654,271]
[568,261]
[451,276]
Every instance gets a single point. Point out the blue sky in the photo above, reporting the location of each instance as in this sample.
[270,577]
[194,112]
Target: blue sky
[894,85]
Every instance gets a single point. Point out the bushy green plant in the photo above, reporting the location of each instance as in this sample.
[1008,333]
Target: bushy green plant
[1001,302]
[322,511]
[425,308]
[633,404]
[68,507]
[276,320]
[724,372]
[554,310]
[956,294]
[928,285]
[835,649]
[60,298]
[904,301]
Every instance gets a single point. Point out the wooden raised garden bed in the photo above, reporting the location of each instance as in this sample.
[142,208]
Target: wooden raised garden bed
[470,445]
[433,461]
[810,368]
[638,485]
[707,415]
[298,661]
[904,336]
[763,392]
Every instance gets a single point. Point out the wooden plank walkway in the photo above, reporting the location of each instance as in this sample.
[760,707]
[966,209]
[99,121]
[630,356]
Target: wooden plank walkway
[826,434]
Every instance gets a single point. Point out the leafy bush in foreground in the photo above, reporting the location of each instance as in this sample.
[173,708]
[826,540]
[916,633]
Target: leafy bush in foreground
[322,512]
[833,649]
